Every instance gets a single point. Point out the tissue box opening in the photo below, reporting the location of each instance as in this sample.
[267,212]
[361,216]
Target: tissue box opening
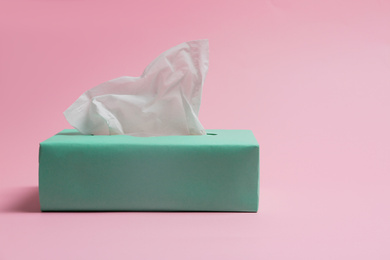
[214,172]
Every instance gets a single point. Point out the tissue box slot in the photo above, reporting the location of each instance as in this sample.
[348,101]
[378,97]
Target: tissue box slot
[217,172]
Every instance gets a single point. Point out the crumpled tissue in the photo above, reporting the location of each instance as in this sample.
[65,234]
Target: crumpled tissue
[164,100]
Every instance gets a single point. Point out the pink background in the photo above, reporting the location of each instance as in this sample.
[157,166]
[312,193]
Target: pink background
[310,78]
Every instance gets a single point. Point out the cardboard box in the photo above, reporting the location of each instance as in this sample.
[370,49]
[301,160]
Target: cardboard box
[214,172]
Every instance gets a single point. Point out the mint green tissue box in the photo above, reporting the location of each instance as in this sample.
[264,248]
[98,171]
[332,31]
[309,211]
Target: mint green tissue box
[214,172]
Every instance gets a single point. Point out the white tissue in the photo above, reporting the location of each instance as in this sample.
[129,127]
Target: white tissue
[164,100]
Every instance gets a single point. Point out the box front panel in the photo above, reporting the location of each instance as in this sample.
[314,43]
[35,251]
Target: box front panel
[104,177]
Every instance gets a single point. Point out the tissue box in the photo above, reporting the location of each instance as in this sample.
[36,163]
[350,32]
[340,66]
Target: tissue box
[214,172]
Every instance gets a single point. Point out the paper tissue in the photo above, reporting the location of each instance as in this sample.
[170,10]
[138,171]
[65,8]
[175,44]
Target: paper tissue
[108,164]
[164,100]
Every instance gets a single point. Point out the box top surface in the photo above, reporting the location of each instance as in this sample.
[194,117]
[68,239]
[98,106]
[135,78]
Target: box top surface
[213,137]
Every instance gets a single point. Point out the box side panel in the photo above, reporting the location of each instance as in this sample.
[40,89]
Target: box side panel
[138,178]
